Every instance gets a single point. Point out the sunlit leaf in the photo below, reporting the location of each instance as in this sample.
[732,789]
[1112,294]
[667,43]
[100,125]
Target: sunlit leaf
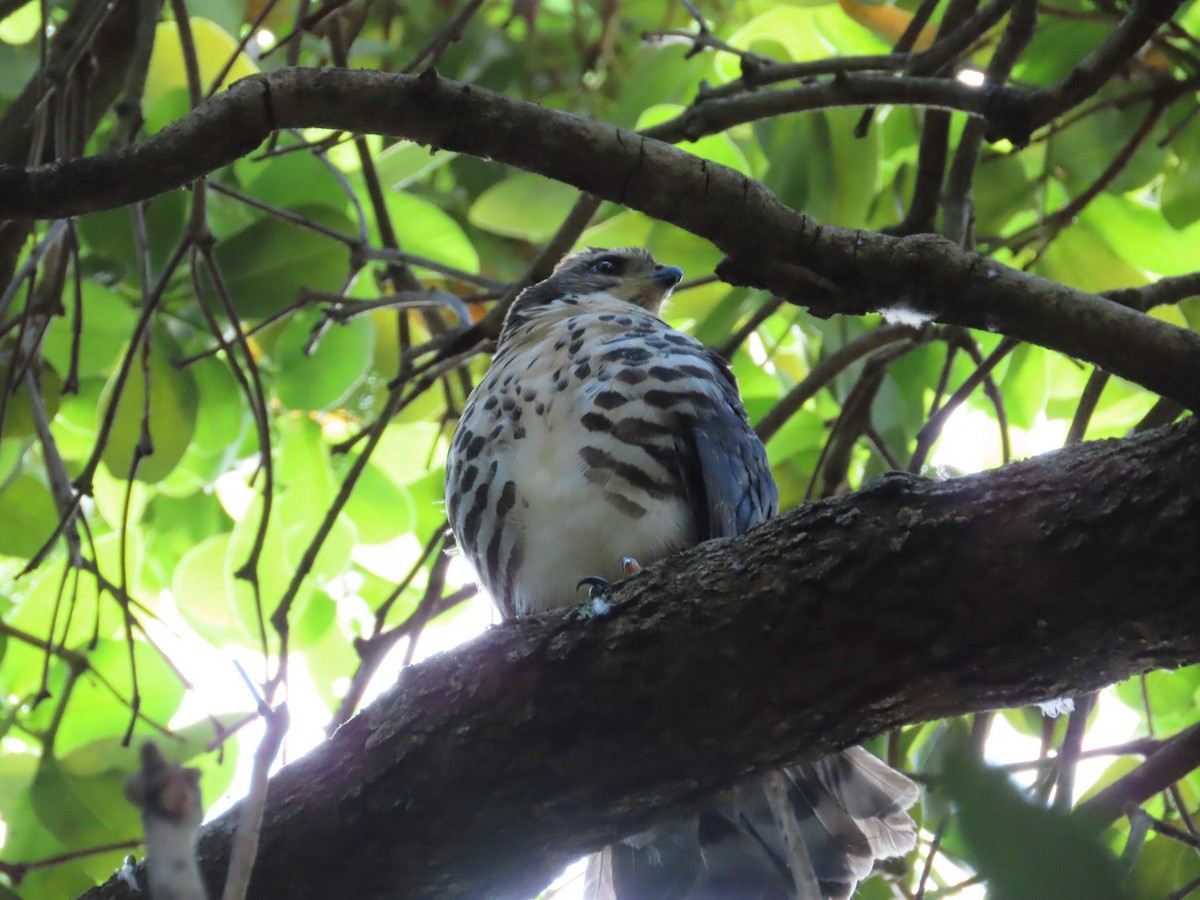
[426,230]
[200,588]
[1143,235]
[28,516]
[379,508]
[222,420]
[784,33]
[1082,258]
[1165,692]
[1181,178]
[523,206]
[1162,862]
[405,162]
[82,810]
[213,46]
[719,148]
[94,709]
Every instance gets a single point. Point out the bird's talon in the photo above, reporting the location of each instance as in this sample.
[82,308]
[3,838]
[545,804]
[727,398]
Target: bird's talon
[598,586]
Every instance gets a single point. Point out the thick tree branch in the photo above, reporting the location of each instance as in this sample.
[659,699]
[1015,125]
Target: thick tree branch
[830,270]
[483,771]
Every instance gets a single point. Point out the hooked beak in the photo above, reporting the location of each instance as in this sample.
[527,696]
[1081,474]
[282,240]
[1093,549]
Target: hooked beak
[657,285]
[667,276]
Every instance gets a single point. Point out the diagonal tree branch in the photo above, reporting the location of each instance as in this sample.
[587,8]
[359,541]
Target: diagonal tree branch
[484,771]
[830,270]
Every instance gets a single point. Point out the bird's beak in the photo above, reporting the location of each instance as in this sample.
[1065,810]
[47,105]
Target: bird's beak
[667,275]
[658,284]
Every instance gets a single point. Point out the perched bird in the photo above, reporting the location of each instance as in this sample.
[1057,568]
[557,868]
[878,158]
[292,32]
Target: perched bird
[601,433]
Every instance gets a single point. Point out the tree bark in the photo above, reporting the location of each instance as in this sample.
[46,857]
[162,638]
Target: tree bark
[483,772]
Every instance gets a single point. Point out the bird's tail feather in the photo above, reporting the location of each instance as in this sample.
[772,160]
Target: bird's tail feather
[849,810]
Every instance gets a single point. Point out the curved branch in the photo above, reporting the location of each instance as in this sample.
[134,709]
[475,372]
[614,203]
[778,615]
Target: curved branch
[830,270]
[482,772]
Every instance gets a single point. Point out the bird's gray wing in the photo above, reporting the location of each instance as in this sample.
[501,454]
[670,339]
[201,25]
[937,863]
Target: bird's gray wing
[723,464]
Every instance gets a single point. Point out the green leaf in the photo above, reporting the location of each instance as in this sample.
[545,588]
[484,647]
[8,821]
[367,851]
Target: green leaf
[21,25]
[213,48]
[379,508]
[27,517]
[93,711]
[295,518]
[182,747]
[1145,239]
[1025,385]
[109,234]
[110,492]
[1024,851]
[427,230]
[1056,48]
[304,467]
[74,428]
[1163,865]
[719,148]
[1082,257]
[626,229]
[267,263]
[223,419]
[295,181]
[201,592]
[173,401]
[27,839]
[19,419]
[11,453]
[328,659]
[1167,692]
[1082,153]
[108,321]
[853,162]
[82,811]
[524,206]
[1001,190]
[404,162]
[319,380]
[1180,197]
[273,576]
[785,33]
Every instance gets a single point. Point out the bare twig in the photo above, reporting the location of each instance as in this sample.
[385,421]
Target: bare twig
[825,371]
[245,843]
[1177,757]
[932,429]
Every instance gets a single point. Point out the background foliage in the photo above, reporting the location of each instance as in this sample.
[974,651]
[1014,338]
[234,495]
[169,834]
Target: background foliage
[250,340]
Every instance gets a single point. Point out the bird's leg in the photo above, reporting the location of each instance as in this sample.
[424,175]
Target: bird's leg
[598,586]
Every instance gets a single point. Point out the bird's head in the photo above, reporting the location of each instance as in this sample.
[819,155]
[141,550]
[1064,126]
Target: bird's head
[629,274]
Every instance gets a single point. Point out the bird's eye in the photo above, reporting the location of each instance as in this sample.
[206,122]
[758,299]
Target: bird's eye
[603,267]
